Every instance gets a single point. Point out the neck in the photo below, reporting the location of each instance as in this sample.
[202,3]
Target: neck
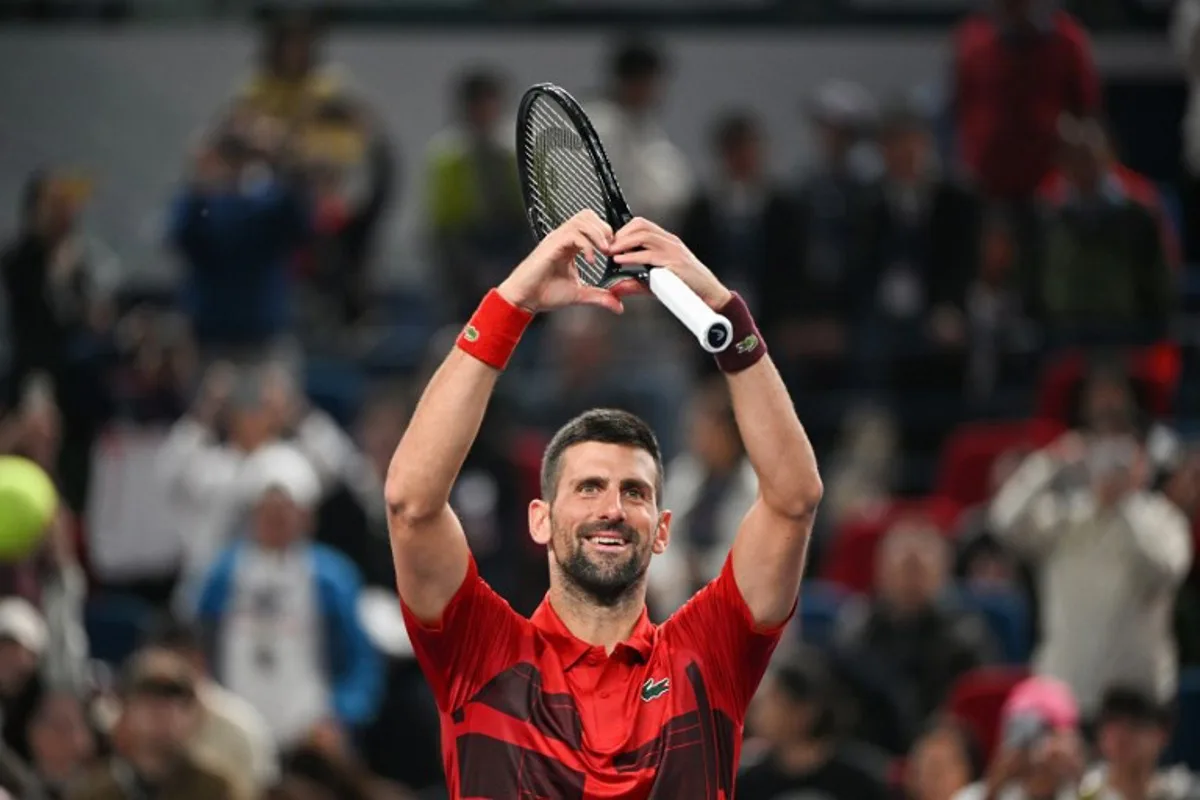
[598,625]
[797,758]
[1131,782]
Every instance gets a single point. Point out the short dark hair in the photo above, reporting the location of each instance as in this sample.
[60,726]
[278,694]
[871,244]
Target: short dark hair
[634,60]
[606,425]
[476,85]
[806,676]
[175,635]
[1136,705]
[734,129]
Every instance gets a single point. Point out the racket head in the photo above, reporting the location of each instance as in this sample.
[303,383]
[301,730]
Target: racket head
[564,170]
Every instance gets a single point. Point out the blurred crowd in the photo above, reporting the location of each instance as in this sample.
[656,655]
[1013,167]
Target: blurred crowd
[972,302]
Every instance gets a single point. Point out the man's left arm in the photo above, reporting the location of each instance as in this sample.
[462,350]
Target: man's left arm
[768,553]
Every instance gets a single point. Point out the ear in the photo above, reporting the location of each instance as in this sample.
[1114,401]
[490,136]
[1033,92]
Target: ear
[662,533]
[539,521]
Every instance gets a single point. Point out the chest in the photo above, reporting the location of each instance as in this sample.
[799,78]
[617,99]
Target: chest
[275,594]
[603,728]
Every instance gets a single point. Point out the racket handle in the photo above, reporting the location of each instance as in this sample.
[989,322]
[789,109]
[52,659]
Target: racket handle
[712,330]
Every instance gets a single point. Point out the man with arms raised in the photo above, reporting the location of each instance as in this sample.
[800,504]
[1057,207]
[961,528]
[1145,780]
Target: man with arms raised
[588,699]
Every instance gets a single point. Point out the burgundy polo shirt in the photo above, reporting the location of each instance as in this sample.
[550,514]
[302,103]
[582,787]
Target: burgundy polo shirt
[528,711]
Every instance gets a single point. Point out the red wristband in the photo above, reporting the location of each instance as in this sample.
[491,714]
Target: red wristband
[494,330]
[747,346]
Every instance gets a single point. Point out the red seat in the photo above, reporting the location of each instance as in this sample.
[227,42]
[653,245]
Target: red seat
[978,698]
[1155,371]
[851,558]
[967,456]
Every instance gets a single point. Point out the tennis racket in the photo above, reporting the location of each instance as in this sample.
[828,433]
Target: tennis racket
[564,170]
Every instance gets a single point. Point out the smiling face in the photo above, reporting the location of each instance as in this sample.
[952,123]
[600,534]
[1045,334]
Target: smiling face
[602,523]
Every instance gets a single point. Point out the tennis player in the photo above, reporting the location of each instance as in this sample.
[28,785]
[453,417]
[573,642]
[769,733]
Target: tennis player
[588,698]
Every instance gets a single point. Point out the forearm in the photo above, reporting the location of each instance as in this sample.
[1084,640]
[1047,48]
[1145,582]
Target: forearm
[439,436]
[776,444]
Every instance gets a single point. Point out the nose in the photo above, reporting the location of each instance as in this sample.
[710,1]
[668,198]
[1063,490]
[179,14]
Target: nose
[612,509]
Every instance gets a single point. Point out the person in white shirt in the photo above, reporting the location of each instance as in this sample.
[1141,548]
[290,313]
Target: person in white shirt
[283,613]
[1109,553]
[655,177]
[204,459]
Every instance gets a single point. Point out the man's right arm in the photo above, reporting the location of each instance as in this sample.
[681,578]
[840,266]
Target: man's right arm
[428,544]
[429,547]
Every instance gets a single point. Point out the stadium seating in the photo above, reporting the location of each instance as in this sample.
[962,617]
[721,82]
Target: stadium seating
[978,698]
[967,457]
[851,558]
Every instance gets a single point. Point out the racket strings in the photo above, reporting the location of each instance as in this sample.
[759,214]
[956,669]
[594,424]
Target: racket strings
[564,180]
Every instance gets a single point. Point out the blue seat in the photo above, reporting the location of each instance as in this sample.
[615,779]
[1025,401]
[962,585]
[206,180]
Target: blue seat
[1185,743]
[820,604]
[335,387]
[1007,615]
[116,625]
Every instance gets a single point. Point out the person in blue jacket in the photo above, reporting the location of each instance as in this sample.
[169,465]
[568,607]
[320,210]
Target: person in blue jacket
[281,613]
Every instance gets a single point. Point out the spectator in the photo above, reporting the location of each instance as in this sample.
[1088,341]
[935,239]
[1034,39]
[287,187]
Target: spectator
[1017,67]
[997,307]
[203,461]
[1132,732]
[798,713]
[351,170]
[744,227]
[62,742]
[833,200]
[473,196]
[290,81]
[655,177]
[1103,262]
[1081,509]
[236,225]
[709,488]
[1135,186]
[284,613]
[909,634]
[942,762]
[923,234]
[1042,753]
[159,715]
[231,735]
[57,287]
[23,640]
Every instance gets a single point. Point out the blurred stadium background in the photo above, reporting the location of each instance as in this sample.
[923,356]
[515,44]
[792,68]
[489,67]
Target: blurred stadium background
[237,238]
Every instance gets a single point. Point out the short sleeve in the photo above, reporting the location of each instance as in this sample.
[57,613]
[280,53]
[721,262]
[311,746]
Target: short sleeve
[717,625]
[478,637]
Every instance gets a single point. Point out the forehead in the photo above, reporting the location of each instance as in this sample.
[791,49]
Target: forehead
[614,461]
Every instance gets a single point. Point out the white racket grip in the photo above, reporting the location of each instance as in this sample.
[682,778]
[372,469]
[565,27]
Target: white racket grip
[711,329]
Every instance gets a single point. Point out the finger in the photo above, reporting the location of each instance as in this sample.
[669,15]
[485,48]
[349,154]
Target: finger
[629,240]
[601,297]
[584,245]
[628,286]
[599,233]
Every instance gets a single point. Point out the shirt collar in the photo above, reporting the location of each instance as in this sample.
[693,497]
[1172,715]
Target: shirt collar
[572,649]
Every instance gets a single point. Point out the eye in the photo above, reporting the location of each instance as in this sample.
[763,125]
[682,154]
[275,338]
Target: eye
[589,487]
[635,492]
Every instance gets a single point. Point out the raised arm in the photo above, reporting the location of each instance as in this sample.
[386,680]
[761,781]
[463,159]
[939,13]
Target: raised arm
[428,544]
[768,553]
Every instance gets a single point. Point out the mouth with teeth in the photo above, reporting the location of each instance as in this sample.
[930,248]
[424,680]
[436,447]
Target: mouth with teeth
[607,541]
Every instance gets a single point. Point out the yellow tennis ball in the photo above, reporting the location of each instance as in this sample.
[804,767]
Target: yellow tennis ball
[28,502]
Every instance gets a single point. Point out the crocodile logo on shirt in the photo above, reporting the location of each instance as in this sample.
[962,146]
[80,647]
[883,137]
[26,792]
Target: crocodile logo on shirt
[652,689]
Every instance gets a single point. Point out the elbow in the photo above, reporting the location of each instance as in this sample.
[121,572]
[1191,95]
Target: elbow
[407,507]
[799,502]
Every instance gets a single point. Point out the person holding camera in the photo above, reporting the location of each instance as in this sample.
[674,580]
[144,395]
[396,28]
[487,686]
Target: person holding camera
[1108,552]
[1041,756]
